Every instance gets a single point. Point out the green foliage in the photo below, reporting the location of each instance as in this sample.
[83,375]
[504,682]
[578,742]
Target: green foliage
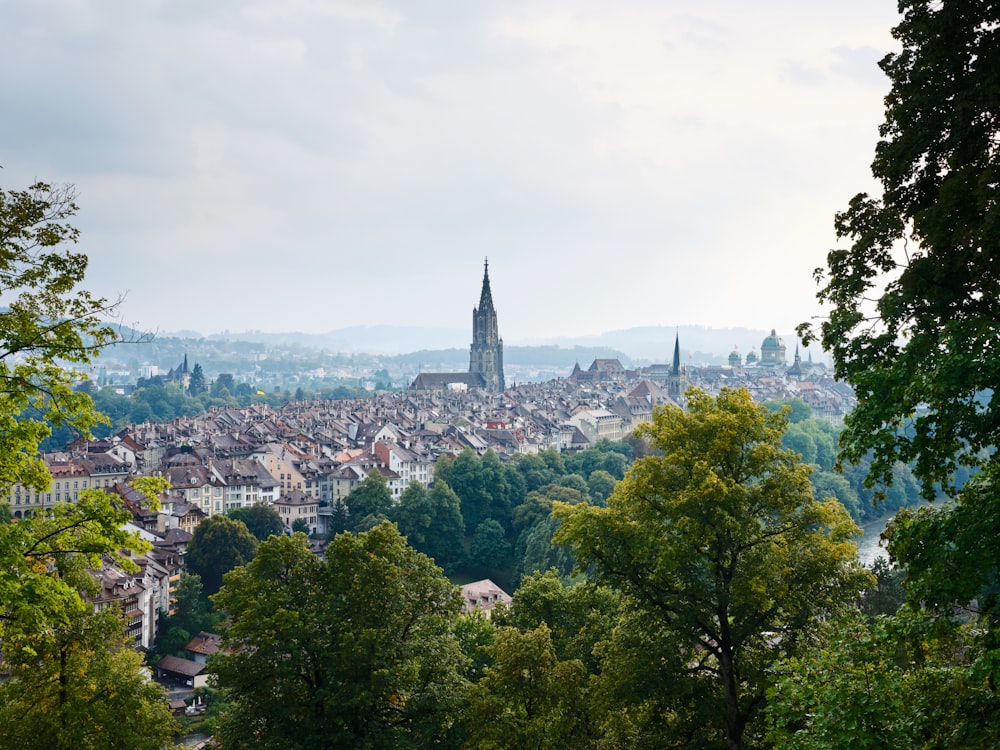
[72,684]
[724,551]
[914,299]
[261,520]
[45,560]
[47,321]
[356,651]
[78,687]
[190,615]
[888,594]
[883,684]
[300,526]
[370,498]
[949,552]
[431,521]
[527,697]
[601,484]
[218,545]
[579,616]
[489,551]
[612,457]
[798,410]
[197,385]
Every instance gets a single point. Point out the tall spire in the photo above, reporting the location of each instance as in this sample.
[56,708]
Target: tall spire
[677,353]
[486,354]
[486,297]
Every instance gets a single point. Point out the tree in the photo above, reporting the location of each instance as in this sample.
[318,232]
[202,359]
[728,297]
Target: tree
[489,550]
[218,545]
[370,498]
[190,615]
[883,684]
[726,555]
[262,520]
[915,311]
[432,522]
[63,659]
[601,485]
[354,651]
[916,297]
[46,321]
[197,385]
[79,687]
[527,697]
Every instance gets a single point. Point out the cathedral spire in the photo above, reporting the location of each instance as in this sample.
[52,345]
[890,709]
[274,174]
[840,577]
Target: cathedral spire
[677,353]
[486,297]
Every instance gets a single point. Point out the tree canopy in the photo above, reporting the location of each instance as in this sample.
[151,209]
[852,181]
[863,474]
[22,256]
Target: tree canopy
[915,298]
[354,651]
[727,556]
[218,545]
[47,322]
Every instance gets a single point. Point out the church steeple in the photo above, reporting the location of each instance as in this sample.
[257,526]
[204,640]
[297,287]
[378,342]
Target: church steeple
[486,353]
[486,296]
[675,380]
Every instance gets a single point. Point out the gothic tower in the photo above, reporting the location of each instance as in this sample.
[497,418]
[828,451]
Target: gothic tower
[676,378]
[486,353]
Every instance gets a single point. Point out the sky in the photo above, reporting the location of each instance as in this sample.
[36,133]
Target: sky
[309,165]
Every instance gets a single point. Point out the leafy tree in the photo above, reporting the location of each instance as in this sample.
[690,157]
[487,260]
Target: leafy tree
[575,482]
[489,550]
[888,594]
[539,553]
[728,558]
[534,470]
[798,410]
[223,386]
[63,659]
[601,485]
[262,520]
[527,697]
[915,316]
[828,484]
[46,321]
[431,521]
[388,674]
[370,498]
[197,384]
[189,616]
[79,687]
[300,526]
[218,545]
[883,684]
[579,616]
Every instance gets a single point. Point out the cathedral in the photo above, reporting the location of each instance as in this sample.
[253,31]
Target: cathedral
[485,354]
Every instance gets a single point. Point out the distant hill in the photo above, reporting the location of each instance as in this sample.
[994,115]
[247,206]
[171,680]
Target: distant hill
[641,345]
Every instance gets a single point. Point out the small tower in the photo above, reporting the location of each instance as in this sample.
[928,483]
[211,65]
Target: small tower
[486,353]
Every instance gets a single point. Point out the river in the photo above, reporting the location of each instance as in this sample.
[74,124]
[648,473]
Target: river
[870,544]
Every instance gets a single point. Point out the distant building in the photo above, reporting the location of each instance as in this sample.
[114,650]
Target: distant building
[483,595]
[485,354]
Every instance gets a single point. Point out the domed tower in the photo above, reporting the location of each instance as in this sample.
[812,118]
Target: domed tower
[752,356]
[735,360]
[772,351]
[486,353]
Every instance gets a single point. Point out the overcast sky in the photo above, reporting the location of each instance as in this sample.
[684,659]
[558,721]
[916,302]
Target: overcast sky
[306,165]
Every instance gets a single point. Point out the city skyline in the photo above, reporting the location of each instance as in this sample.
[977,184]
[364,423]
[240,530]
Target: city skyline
[296,166]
